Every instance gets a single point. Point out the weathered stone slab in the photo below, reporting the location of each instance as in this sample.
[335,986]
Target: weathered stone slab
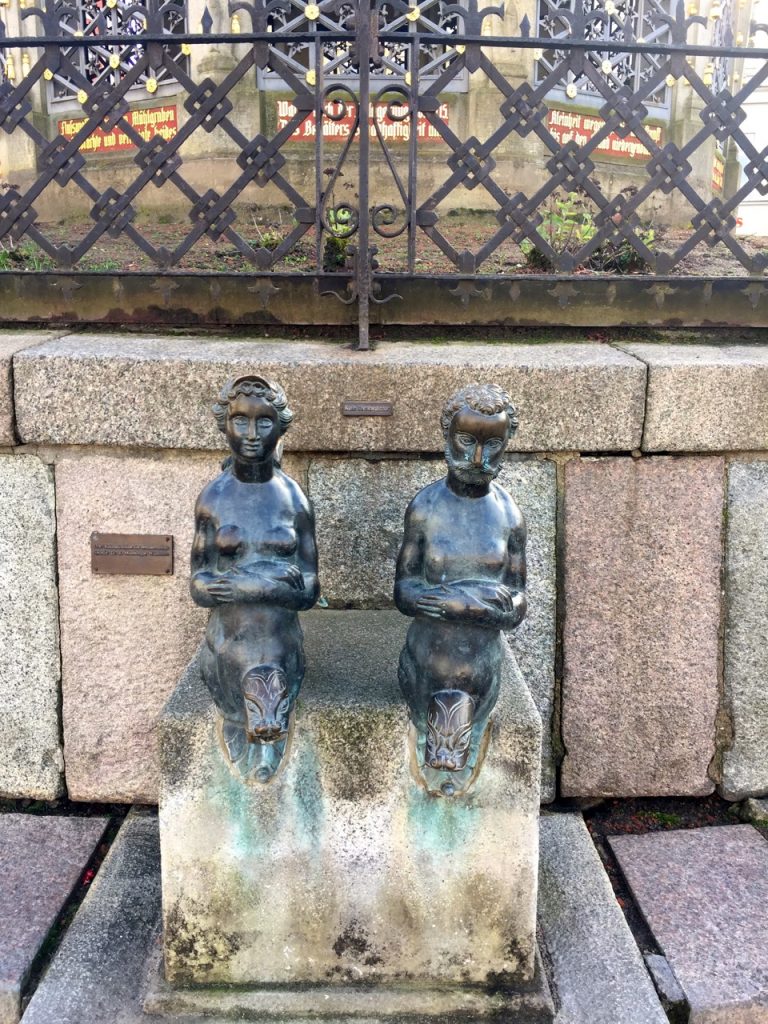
[98,972]
[30,750]
[642,592]
[344,868]
[360,505]
[125,639]
[745,764]
[73,391]
[703,893]
[41,861]
[598,971]
[705,397]
[10,343]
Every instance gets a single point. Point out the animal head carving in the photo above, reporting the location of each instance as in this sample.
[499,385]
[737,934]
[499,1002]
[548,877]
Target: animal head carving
[267,704]
[449,730]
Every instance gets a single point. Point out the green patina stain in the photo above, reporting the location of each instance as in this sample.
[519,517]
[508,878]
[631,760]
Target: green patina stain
[439,825]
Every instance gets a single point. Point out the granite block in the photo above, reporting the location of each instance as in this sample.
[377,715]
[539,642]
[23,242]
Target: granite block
[12,342]
[598,972]
[641,636]
[125,639]
[30,749]
[705,397]
[98,971]
[745,764]
[344,868]
[360,505]
[74,391]
[41,861]
[703,893]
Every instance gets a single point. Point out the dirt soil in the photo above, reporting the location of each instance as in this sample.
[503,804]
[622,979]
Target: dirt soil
[465,230]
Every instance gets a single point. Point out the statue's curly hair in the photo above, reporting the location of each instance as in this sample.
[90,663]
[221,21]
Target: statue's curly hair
[259,387]
[488,399]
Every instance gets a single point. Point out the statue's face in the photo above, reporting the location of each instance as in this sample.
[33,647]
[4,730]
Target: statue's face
[476,445]
[252,428]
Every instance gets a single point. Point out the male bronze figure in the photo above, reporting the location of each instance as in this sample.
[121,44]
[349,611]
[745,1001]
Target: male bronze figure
[254,564]
[461,576]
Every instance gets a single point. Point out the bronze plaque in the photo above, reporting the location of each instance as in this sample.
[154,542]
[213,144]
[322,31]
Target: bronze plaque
[367,408]
[132,554]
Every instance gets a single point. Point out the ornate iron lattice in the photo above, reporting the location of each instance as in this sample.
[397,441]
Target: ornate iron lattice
[105,65]
[617,21]
[386,160]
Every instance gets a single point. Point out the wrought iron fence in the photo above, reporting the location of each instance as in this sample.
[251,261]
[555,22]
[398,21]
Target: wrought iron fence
[421,165]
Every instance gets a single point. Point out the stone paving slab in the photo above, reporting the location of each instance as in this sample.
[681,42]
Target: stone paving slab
[42,858]
[30,748]
[704,397]
[642,562]
[704,894]
[745,764]
[12,342]
[97,974]
[599,974]
[157,392]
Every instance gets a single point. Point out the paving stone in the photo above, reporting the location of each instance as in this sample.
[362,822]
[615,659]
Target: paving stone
[599,974]
[12,342]
[97,974]
[74,390]
[30,750]
[671,994]
[703,893]
[642,591]
[41,861]
[705,397]
[125,640]
[745,765]
[360,505]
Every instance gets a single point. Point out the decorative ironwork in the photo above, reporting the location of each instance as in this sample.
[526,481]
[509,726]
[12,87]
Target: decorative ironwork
[366,148]
[106,65]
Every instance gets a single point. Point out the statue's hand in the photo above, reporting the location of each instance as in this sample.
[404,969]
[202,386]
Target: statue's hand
[221,590]
[449,603]
[292,576]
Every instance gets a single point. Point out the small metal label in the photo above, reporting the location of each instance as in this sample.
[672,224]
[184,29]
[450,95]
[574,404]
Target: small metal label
[131,554]
[367,408]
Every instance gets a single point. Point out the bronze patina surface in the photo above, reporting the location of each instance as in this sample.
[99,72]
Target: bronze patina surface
[254,564]
[461,576]
[132,554]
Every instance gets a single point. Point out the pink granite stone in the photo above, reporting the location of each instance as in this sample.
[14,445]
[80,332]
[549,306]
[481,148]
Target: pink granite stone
[642,586]
[125,640]
[703,893]
[41,860]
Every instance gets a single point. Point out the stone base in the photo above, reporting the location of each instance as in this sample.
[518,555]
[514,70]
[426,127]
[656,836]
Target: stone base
[527,1004]
[343,870]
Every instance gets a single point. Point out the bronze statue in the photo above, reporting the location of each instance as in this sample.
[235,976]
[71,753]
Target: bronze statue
[254,564]
[461,576]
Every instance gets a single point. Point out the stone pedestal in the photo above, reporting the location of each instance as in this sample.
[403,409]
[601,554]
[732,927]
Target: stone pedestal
[343,870]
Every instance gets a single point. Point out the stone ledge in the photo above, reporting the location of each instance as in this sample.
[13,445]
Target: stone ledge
[12,342]
[705,397]
[156,391]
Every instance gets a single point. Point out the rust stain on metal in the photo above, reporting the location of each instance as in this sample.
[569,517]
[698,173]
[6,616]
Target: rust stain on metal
[131,554]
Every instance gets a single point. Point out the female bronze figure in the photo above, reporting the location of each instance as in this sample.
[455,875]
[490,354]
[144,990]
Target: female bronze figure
[461,576]
[254,564]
